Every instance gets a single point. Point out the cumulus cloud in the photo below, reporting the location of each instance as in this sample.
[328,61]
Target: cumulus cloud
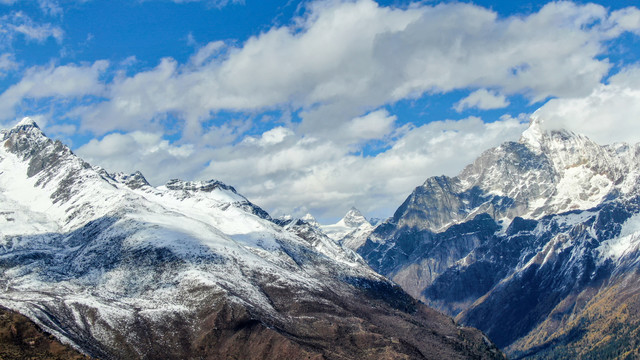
[286,172]
[65,81]
[147,152]
[60,129]
[337,67]
[611,113]
[298,173]
[374,125]
[627,19]
[269,138]
[345,58]
[482,99]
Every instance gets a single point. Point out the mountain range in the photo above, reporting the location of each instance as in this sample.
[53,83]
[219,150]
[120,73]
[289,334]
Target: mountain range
[119,269]
[536,243]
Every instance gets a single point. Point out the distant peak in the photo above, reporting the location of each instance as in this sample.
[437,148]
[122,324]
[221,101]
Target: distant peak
[353,210]
[134,181]
[354,218]
[353,213]
[27,122]
[309,219]
[203,186]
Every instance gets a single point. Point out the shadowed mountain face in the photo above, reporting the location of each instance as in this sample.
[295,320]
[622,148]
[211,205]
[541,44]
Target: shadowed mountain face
[521,239]
[191,270]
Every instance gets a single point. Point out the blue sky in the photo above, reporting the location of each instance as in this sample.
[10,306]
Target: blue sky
[314,106]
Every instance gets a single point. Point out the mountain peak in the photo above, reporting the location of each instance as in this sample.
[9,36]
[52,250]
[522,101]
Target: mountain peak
[354,218]
[352,230]
[25,126]
[542,137]
[26,122]
[354,210]
[134,181]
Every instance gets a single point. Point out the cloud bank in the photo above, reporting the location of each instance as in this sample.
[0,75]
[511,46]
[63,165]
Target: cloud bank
[332,76]
[611,113]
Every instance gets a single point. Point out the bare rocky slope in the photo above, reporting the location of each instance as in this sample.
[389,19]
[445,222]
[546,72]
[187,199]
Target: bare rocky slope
[21,339]
[119,269]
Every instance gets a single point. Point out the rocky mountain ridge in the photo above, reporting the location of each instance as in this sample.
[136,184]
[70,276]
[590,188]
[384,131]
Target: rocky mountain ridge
[514,244]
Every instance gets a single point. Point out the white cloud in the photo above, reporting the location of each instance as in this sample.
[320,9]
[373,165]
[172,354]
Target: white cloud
[18,23]
[147,152]
[482,99]
[7,63]
[374,125]
[346,58]
[628,19]
[50,7]
[129,61]
[337,67]
[305,174]
[611,113]
[205,53]
[67,81]
[61,129]
[269,138]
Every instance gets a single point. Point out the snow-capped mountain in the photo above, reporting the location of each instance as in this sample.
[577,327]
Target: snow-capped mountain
[309,219]
[351,231]
[522,240]
[191,269]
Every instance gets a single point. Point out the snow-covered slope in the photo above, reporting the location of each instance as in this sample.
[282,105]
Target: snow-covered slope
[518,235]
[121,269]
[351,231]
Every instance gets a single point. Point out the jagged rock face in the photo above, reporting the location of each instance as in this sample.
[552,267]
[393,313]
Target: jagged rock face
[519,234]
[133,181]
[191,270]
